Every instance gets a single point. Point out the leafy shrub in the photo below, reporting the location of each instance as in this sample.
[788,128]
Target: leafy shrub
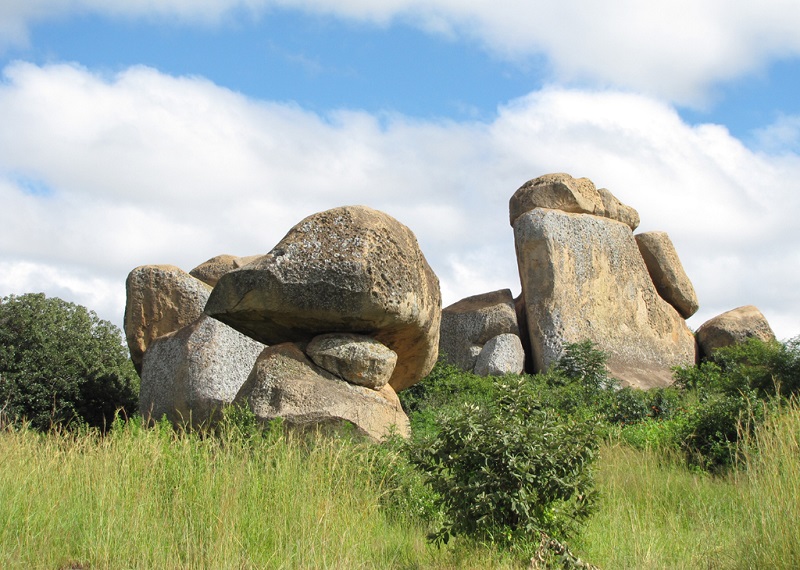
[61,364]
[509,472]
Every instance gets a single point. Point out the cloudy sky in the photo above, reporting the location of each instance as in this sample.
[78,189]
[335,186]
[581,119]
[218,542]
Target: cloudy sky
[140,131]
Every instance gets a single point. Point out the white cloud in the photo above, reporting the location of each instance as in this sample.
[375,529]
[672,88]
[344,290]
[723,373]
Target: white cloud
[677,50]
[100,174]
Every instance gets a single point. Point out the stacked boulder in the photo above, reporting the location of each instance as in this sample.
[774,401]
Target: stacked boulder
[343,312]
[586,276]
[480,334]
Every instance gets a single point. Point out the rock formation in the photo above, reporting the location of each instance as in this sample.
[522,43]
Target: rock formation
[502,354]
[583,277]
[470,323]
[355,358]
[667,272]
[190,374]
[350,269]
[160,299]
[733,327]
[211,270]
[285,383]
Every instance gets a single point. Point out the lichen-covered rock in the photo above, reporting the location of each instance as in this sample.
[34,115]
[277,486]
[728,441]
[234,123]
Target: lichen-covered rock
[616,210]
[350,269]
[192,373]
[160,299]
[469,324]
[211,270]
[285,383]
[733,327]
[557,191]
[667,272]
[501,355]
[583,278]
[355,358]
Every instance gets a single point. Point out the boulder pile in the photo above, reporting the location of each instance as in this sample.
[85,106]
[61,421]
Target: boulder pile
[345,311]
[322,330]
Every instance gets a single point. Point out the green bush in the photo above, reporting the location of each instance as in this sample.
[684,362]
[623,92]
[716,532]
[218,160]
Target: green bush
[61,365]
[508,473]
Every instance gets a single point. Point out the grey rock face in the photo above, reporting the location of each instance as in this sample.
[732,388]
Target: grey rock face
[357,359]
[667,272]
[350,269]
[160,299]
[584,278]
[285,383]
[503,354]
[195,371]
[469,324]
[733,327]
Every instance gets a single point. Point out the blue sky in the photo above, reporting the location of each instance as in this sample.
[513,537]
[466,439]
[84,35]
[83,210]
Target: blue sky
[138,132]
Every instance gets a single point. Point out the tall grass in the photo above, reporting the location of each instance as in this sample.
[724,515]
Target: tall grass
[655,513]
[151,498]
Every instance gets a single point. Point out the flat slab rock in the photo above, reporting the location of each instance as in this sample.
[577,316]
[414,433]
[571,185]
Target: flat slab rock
[285,383]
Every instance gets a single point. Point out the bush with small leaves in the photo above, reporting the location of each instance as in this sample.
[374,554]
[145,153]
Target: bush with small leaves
[510,472]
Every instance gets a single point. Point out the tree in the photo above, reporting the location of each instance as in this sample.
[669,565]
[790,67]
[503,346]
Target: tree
[62,365]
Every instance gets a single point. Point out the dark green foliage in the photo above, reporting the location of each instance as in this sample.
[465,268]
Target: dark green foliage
[507,473]
[61,365]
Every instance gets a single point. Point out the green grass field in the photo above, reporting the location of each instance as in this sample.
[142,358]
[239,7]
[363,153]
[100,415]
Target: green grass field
[150,498]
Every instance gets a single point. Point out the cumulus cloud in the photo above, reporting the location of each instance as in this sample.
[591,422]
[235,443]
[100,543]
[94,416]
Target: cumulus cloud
[677,50]
[102,173]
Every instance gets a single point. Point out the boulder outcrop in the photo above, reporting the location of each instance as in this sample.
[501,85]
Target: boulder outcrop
[350,269]
[160,299]
[211,270]
[616,210]
[584,278]
[733,327]
[557,191]
[667,272]
[470,323]
[285,383]
[502,354]
[190,374]
[358,359]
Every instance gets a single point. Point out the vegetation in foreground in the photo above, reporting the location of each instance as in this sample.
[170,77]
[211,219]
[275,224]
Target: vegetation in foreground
[541,471]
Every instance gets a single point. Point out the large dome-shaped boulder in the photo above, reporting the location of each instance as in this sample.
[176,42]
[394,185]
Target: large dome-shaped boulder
[349,269]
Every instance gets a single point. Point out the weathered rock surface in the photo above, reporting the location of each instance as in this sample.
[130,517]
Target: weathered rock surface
[160,299]
[350,269]
[194,371]
[355,358]
[211,270]
[733,327]
[557,191]
[584,278]
[667,272]
[501,355]
[285,383]
[469,324]
[616,210]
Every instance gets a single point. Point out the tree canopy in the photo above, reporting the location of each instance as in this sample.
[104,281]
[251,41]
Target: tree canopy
[60,364]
